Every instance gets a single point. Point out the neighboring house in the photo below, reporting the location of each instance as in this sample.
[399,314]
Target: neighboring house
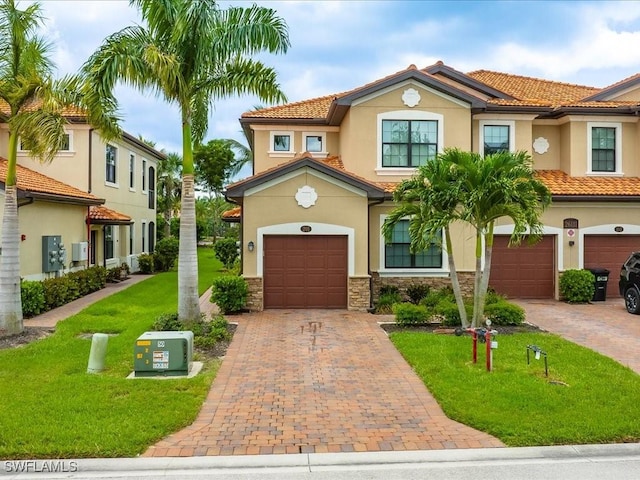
[325,170]
[108,220]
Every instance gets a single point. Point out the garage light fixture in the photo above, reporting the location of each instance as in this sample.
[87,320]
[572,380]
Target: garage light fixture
[250,246]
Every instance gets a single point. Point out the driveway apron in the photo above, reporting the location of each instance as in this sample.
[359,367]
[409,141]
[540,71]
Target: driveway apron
[605,327]
[314,381]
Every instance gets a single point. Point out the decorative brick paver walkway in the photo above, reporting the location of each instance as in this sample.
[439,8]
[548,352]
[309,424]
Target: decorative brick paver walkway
[316,381]
[605,327]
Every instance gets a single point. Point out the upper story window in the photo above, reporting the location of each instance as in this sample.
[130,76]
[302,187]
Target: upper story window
[67,144]
[132,171]
[281,143]
[408,139]
[496,136]
[144,175]
[408,143]
[111,154]
[604,148]
[397,253]
[313,143]
[152,188]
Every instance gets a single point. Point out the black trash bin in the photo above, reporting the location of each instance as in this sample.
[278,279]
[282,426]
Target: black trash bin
[601,278]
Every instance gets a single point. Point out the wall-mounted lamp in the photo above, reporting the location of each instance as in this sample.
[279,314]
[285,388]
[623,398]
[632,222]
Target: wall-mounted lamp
[571,243]
[250,246]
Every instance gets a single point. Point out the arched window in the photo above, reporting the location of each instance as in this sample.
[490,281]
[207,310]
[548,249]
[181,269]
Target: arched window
[152,236]
[152,188]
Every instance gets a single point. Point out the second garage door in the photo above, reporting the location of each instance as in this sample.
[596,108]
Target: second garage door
[610,252]
[527,271]
[305,271]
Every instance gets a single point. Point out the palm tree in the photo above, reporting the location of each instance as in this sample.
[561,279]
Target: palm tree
[466,187]
[430,201]
[33,104]
[191,53]
[169,188]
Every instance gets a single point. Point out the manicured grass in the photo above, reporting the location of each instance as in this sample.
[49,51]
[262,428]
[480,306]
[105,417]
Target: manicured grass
[516,402]
[51,408]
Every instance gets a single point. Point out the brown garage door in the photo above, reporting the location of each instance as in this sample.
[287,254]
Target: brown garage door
[527,271]
[305,271]
[610,252]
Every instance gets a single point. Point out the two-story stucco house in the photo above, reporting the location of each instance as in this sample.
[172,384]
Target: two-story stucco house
[98,197]
[325,170]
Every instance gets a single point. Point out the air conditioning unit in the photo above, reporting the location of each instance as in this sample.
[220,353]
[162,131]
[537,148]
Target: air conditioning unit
[80,251]
[163,354]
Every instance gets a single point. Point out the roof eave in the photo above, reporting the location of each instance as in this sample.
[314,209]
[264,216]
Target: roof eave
[564,111]
[595,198]
[607,92]
[467,81]
[68,199]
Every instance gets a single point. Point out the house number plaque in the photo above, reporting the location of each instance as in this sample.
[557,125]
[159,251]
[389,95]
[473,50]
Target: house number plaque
[305,228]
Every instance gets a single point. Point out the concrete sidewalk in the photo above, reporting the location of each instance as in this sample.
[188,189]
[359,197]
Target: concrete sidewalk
[50,318]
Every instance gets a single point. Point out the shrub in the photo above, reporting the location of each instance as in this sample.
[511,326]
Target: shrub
[114,274]
[125,269]
[436,296]
[168,322]
[145,263]
[33,302]
[448,310]
[229,293]
[385,289]
[166,254]
[417,292]
[504,313]
[387,300]
[492,297]
[57,292]
[410,314]
[226,251]
[577,286]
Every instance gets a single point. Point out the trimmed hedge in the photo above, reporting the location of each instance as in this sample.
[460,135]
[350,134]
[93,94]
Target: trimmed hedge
[230,293]
[410,314]
[577,286]
[38,297]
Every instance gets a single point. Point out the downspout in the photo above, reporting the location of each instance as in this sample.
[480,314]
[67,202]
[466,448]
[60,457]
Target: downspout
[89,185]
[371,308]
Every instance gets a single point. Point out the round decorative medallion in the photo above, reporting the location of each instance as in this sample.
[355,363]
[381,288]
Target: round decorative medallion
[306,196]
[541,145]
[411,97]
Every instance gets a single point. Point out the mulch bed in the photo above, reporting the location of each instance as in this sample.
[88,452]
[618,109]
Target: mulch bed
[29,334]
[438,328]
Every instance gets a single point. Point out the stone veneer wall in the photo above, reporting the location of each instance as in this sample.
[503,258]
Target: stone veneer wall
[359,293]
[466,282]
[255,299]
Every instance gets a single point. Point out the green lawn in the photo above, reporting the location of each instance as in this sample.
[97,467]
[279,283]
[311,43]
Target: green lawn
[516,402]
[51,408]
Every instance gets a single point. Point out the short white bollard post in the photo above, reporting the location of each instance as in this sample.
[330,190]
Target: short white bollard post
[98,352]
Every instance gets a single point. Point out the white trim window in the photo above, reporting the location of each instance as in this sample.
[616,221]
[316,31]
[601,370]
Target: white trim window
[281,144]
[144,176]
[67,144]
[408,139]
[604,148]
[396,256]
[315,142]
[496,136]
[111,164]
[132,171]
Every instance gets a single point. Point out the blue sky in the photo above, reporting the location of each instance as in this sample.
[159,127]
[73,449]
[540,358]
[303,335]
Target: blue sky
[340,45]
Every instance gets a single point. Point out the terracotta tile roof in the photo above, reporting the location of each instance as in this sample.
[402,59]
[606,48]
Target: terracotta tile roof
[103,214]
[313,108]
[559,183]
[527,92]
[234,213]
[31,181]
[533,89]
[69,111]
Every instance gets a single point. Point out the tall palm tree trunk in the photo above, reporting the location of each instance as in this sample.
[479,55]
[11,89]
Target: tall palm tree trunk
[10,295]
[455,281]
[188,299]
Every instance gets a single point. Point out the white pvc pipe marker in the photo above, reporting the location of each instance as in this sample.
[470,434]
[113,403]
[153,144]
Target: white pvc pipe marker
[98,352]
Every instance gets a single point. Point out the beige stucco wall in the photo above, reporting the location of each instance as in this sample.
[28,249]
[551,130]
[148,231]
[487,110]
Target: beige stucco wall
[337,205]
[45,218]
[550,160]
[359,140]
[462,238]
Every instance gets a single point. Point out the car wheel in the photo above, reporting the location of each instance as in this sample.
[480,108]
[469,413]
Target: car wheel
[632,301]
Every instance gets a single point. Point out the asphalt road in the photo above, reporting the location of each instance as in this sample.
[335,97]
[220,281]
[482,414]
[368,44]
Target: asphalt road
[585,462]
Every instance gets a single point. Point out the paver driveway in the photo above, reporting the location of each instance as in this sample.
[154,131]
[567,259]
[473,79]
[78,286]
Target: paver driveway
[605,327]
[316,381]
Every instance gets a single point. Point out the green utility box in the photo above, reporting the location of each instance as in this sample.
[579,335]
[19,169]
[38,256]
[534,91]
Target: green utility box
[163,354]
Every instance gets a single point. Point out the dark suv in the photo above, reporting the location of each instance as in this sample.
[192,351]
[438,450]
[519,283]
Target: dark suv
[630,283]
